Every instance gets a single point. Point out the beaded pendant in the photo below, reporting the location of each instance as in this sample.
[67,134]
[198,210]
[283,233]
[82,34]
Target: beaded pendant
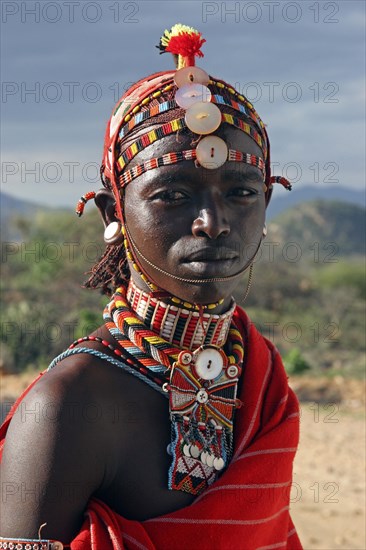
[200,383]
[202,399]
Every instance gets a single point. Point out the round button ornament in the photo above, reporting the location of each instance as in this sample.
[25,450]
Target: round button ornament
[202,396]
[185,357]
[203,117]
[209,362]
[190,75]
[190,94]
[232,371]
[212,152]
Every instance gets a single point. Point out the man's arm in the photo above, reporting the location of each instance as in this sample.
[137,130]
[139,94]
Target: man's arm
[53,460]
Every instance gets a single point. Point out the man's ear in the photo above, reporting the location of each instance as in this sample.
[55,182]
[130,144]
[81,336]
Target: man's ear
[106,204]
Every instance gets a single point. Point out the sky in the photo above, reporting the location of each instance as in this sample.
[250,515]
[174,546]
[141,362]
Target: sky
[64,64]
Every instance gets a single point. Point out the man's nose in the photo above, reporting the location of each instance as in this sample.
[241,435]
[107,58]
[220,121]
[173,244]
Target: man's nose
[211,222]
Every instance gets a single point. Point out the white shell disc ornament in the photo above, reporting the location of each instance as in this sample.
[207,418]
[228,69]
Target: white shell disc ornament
[203,117]
[186,450]
[210,460]
[190,75]
[190,94]
[203,457]
[195,451]
[211,152]
[218,463]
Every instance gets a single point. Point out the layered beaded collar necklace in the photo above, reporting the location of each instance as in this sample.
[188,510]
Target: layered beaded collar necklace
[182,353]
[182,327]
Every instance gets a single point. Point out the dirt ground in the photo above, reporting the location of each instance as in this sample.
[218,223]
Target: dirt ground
[328,494]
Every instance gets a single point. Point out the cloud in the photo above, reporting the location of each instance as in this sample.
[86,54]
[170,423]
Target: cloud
[90,64]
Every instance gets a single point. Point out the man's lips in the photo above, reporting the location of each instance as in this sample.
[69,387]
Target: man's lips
[211,255]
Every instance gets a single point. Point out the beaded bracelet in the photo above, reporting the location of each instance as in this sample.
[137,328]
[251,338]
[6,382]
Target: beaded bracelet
[31,544]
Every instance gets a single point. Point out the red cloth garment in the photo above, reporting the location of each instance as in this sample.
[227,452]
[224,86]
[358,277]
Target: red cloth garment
[247,508]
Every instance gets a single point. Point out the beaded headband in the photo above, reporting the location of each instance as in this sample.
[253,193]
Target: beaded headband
[203,110]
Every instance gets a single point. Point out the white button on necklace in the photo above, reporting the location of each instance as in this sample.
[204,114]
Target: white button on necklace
[202,396]
[209,362]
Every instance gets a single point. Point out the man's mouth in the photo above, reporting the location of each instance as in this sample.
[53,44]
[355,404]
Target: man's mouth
[208,255]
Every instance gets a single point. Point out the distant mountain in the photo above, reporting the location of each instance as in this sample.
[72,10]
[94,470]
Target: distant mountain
[12,208]
[10,205]
[296,197]
[329,228]
[327,220]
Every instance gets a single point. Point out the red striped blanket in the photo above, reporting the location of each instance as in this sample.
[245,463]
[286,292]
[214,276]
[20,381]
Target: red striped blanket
[248,507]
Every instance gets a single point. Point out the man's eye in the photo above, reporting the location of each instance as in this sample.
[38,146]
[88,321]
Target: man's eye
[241,192]
[170,196]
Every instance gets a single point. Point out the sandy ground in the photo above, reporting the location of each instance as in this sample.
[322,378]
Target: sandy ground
[328,494]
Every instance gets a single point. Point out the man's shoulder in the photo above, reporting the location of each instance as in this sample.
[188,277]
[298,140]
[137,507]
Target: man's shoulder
[76,396]
[83,376]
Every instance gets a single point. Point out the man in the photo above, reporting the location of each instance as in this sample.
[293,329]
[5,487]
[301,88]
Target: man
[189,443]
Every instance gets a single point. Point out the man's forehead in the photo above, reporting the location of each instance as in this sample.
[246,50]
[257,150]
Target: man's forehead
[189,174]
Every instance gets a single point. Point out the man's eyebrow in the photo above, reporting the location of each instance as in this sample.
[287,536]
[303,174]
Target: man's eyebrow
[243,172]
[166,178]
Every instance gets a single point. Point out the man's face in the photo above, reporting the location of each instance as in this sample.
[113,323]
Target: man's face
[196,223]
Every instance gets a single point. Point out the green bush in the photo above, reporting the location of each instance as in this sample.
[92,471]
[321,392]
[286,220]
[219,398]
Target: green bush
[344,274]
[295,362]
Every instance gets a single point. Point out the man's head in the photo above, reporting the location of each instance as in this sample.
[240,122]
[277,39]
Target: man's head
[174,209]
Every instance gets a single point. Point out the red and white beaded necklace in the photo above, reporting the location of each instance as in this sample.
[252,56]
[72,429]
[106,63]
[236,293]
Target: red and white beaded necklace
[200,381]
[184,328]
